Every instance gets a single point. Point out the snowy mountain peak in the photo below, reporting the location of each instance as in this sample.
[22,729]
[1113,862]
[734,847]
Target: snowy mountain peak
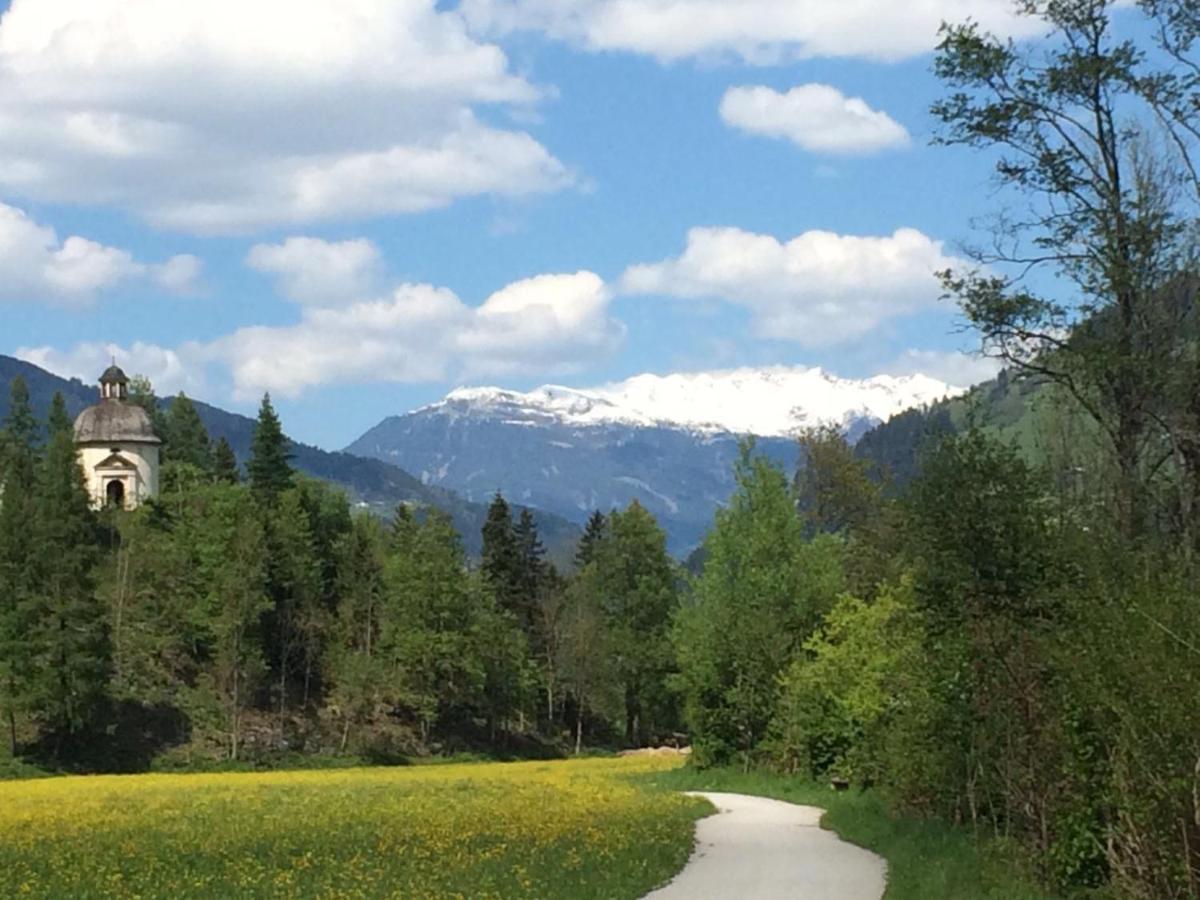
[771,402]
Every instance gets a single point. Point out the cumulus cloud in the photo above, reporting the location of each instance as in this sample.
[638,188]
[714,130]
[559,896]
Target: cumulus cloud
[36,266]
[422,333]
[169,370]
[764,32]
[816,117]
[817,289]
[953,367]
[313,271]
[356,109]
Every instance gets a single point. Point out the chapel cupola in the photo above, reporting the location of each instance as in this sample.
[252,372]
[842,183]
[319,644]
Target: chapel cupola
[113,384]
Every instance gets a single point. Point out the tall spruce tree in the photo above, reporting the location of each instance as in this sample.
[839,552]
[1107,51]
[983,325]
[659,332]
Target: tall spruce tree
[269,468]
[185,437]
[18,461]
[225,464]
[501,564]
[67,623]
[593,534]
[531,573]
[141,393]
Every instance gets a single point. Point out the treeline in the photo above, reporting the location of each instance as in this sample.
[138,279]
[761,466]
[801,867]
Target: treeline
[259,617]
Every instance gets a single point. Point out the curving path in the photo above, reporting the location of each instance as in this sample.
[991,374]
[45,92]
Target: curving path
[768,850]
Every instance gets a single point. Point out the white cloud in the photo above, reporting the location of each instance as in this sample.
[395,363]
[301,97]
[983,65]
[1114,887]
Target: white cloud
[755,31]
[170,371]
[36,266]
[227,116]
[953,367]
[817,289]
[313,271]
[421,333]
[816,117]
[179,274]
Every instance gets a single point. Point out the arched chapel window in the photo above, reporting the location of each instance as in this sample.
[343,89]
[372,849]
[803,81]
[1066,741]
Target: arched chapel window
[114,494]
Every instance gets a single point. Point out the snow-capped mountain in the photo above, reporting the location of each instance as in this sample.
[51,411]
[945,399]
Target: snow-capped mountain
[769,402]
[668,441]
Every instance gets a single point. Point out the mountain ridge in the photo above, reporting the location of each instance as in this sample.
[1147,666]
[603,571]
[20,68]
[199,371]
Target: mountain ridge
[668,442]
[753,401]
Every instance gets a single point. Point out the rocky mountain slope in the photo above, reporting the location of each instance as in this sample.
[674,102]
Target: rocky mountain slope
[669,442]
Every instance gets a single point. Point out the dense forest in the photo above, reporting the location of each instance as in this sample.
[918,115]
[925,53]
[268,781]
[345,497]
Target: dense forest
[249,618]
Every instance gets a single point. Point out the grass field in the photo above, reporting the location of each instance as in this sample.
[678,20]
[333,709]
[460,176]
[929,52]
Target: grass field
[926,860]
[577,829]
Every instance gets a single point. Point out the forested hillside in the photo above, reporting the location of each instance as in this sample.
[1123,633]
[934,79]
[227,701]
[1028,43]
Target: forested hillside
[378,485]
[1018,409]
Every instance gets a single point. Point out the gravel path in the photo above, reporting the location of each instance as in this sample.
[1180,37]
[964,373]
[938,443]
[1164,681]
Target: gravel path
[767,850]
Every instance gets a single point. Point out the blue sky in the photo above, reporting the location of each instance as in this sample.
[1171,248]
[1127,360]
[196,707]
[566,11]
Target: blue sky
[420,159]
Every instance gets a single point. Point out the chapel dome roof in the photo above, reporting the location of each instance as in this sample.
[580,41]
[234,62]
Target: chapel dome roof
[114,422]
[114,375]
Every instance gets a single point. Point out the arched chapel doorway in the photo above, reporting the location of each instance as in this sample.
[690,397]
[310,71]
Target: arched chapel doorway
[114,494]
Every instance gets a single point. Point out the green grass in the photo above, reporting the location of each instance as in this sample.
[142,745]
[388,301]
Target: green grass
[927,860]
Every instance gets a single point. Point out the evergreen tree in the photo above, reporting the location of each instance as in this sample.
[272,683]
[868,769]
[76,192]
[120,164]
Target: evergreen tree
[354,665]
[141,393]
[58,421]
[501,564]
[68,633]
[269,469]
[298,621]
[18,460]
[234,553]
[185,439]
[225,464]
[593,534]
[530,575]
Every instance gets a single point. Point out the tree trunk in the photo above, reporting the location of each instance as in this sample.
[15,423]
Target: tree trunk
[579,729]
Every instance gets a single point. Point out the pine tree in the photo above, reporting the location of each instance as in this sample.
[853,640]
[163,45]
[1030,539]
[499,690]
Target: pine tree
[67,626]
[232,548]
[294,583]
[141,393]
[225,464]
[353,662]
[269,470]
[501,556]
[185,437]
[530,573]
[593,534]
[18,441]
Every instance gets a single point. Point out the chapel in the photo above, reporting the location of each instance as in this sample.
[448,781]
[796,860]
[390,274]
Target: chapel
[117,446]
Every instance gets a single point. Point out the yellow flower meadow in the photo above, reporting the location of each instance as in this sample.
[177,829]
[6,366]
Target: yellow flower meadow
[573,829]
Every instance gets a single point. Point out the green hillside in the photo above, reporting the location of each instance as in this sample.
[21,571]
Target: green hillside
[1021,411]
